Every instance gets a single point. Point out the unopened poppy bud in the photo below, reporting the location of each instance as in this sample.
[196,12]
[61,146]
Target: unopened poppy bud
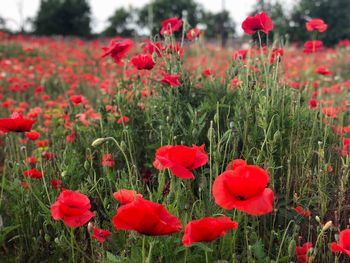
[327,226]
[98,142]
[216,118]
[336,237]
[47,238]
[231,124]
[194,132]
[64,173]
[90,226]
[291,247]
[123,145]
[318,219]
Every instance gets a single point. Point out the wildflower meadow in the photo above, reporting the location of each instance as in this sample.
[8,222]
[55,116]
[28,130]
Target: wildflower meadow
[172,149]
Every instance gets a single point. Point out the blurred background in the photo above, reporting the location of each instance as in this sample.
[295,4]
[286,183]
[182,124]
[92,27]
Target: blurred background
[219,19]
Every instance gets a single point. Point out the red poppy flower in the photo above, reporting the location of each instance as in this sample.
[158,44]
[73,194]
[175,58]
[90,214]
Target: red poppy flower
[207,229]
[33,173]
[76,99]
[73,208]
[117,49]
[312,104]
[31,160]
[151,47]
[123,119]
[235,163]
[107,160]
[323,71]
[16,124]
[48,156]
[244,188]
[101,235]
[43,143]
[170,26]
[180,159]
[276,53]
[71,137]
[125,196]
[316,24]
[260,22]
[313,46]
[147,218]
[192,34]
[172,80]
[207,73]
[33,135]
[300,210]
[143,62]
[175,49]
[302,252]
[344,243]
[25,185]
[241,54]
[56,184]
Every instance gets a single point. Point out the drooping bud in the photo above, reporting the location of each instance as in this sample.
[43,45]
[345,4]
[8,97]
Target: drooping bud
[98,142]
[327,226]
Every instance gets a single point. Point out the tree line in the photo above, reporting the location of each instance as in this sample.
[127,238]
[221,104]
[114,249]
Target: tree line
[73,18]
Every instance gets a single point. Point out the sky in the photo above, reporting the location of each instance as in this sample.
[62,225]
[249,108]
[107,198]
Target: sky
[102,9]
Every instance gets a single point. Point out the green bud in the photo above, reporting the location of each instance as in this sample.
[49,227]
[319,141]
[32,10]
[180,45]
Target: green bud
[291,248]
[98,142]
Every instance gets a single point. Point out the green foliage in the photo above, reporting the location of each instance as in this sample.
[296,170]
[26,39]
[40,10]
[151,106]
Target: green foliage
[290,24]
[119,23]
[218,25]
[152,14]
[334,12]
[63,17]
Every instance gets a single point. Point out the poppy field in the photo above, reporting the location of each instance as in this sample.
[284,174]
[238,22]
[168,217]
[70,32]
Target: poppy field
[171,149]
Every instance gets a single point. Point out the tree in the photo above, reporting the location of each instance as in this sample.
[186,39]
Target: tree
[119,23]
[292,24]
[152,14]
[63,17]
[334,12]
[218,25]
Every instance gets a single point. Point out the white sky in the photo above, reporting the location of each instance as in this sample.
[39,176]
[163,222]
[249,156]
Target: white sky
[102,9]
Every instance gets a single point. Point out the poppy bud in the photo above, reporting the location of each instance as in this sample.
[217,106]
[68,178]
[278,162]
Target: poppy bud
[47,238]
[123,145]
[64,173]
[90,226]
[291,247]
[327,226]
[98,142]
[318,219]
[216,117]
